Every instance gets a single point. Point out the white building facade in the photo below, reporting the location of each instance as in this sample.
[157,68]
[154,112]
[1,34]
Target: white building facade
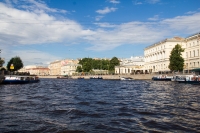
[131,65]
[192,48]
[68,67]
[157,55]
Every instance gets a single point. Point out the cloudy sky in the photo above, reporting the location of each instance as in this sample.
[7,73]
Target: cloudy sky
[42,31]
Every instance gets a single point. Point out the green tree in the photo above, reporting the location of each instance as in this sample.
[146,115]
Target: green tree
[176,60]
[113,62]
[88,64]
[17,63]
[79,69]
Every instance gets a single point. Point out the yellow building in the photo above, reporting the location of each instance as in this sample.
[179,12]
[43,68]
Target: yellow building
[55,68]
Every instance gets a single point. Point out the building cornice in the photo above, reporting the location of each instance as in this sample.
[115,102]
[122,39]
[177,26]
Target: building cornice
[174,39]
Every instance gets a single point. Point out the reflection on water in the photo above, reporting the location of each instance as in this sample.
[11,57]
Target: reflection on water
[65,105]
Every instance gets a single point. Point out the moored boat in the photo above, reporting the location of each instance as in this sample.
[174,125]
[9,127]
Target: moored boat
[62,77]
[189,79]
[162,78]
[80,78]
[178,78]
[19,79]
[96,77]
[126,78]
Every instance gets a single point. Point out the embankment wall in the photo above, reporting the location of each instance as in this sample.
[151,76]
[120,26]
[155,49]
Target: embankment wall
[138,76]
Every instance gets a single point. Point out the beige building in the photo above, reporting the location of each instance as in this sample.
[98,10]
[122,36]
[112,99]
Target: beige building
[63,67]
[55,68]
[157,55]
[35,70]
[68,67]
[192,56]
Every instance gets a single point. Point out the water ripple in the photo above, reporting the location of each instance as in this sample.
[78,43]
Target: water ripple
[95,106]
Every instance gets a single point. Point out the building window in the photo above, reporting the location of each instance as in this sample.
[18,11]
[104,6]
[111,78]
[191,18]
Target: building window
[190,53]
[198,52]
[193,53]
[186,54]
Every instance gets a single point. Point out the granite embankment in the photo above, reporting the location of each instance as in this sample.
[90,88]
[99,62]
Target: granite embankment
[137,76]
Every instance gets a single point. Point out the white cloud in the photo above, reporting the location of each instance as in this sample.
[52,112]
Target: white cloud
[34,57]
[40,6]
[154,18]
[153,1]
[24,27]
[186,24]
[29,57]
[136,2]
[8,2]
[32,27]
[97,18]
[143,32]
[191,12]
[128,33]
[114,1]
[106,10]
[105,25]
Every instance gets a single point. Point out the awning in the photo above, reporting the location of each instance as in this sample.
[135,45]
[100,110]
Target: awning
[196,69]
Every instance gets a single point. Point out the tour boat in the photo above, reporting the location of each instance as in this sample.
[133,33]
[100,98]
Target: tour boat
[189,79]
[178,78]
[126,78]
[20,79]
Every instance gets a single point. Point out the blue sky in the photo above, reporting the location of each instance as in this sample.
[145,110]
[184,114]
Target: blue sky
[42,31]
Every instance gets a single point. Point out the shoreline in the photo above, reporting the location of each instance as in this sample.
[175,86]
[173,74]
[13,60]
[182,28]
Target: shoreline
[115,77]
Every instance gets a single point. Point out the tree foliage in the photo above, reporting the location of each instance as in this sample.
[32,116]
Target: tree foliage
[101,64]
[113,62]
[176,60]
[17,63]
[79,69]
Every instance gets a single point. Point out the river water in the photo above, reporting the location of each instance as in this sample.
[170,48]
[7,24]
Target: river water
[99,106]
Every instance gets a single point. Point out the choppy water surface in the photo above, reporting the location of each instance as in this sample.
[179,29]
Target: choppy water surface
[98,106]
